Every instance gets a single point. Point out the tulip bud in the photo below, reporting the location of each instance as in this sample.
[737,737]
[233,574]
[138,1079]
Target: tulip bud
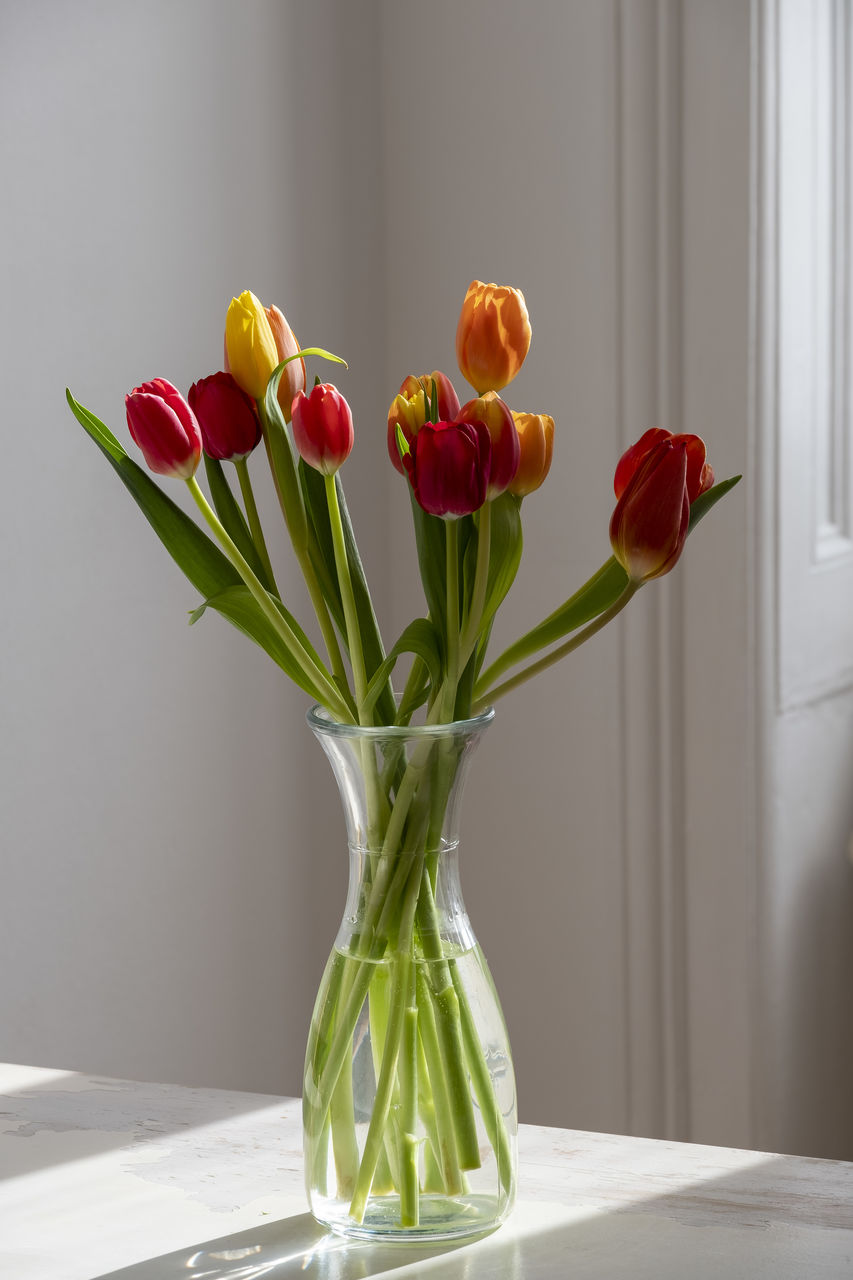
[491,410]
[293,374]
[250,350]
[493,335]
[408,408]
[700,475]
[229,422]
[448,465]
[536,447]
[165,428]
[649,527]
[322,427]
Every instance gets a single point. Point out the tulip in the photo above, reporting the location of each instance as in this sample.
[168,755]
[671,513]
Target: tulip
[293,374]
[492,411]
[448,465]
[448,400]
[165,428]
[250,350]
[649,526]
[322,427]
[493,335]
[700,475]
[230,427]
[536,446]
[408,408]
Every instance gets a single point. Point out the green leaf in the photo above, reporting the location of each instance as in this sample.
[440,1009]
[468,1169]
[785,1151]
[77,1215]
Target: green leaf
[240,607]
[196,555]
[710,498]
[505,552]
[232,517]
[431,543]
[421,638]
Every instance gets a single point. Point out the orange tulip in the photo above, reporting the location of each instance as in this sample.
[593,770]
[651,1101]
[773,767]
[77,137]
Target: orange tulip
[493,335]
[536,443]
[491,410]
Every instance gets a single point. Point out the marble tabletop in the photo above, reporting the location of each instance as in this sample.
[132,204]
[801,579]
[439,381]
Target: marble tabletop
[115,1178]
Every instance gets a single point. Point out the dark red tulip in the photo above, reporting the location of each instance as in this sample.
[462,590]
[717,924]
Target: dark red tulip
[448,465]
[230,427]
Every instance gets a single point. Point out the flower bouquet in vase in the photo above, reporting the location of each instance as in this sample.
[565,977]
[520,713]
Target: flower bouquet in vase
[409,1097]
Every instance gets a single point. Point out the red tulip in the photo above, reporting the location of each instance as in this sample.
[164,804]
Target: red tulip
[448,465]
[165,428]
[408,408]
[648,529]
[229,422]
[506,450]
[322,427]
[700,475]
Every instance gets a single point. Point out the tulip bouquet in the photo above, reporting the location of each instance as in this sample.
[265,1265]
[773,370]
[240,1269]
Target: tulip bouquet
[469,467]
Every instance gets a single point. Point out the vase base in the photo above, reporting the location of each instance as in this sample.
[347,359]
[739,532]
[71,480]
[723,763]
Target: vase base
[439,1218]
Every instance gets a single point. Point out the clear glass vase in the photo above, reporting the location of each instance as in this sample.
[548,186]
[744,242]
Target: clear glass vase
[409,1103]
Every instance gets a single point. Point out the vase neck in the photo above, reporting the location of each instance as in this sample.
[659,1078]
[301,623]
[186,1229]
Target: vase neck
[401,791]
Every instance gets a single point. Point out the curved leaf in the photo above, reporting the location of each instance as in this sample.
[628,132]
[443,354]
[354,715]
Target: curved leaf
[193,551]
[421,638]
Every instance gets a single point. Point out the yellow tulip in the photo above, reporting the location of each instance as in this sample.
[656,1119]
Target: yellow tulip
[250,349]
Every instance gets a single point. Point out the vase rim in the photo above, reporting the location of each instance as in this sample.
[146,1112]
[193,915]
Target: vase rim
[320,721]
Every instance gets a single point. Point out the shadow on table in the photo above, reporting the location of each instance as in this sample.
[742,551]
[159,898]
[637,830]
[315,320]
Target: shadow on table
[794,1223]
[295,1246]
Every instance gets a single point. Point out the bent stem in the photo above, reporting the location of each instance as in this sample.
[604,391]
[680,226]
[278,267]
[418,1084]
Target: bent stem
[491,696]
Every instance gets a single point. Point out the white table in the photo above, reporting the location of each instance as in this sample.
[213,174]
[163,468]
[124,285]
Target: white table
[155,1182]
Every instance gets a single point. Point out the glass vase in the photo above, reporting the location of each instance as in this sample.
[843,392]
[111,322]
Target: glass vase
[409,1103]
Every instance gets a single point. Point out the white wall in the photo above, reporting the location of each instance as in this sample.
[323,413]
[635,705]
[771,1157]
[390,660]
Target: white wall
[163,912]
[651,842]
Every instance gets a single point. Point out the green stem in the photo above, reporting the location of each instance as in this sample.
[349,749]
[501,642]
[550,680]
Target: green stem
[408,1078]
[403,961]
[323,687]
[483,1086]
[445,1133]
[242,467]
[448,699]
[471,630]
[491,695]
[347,598]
